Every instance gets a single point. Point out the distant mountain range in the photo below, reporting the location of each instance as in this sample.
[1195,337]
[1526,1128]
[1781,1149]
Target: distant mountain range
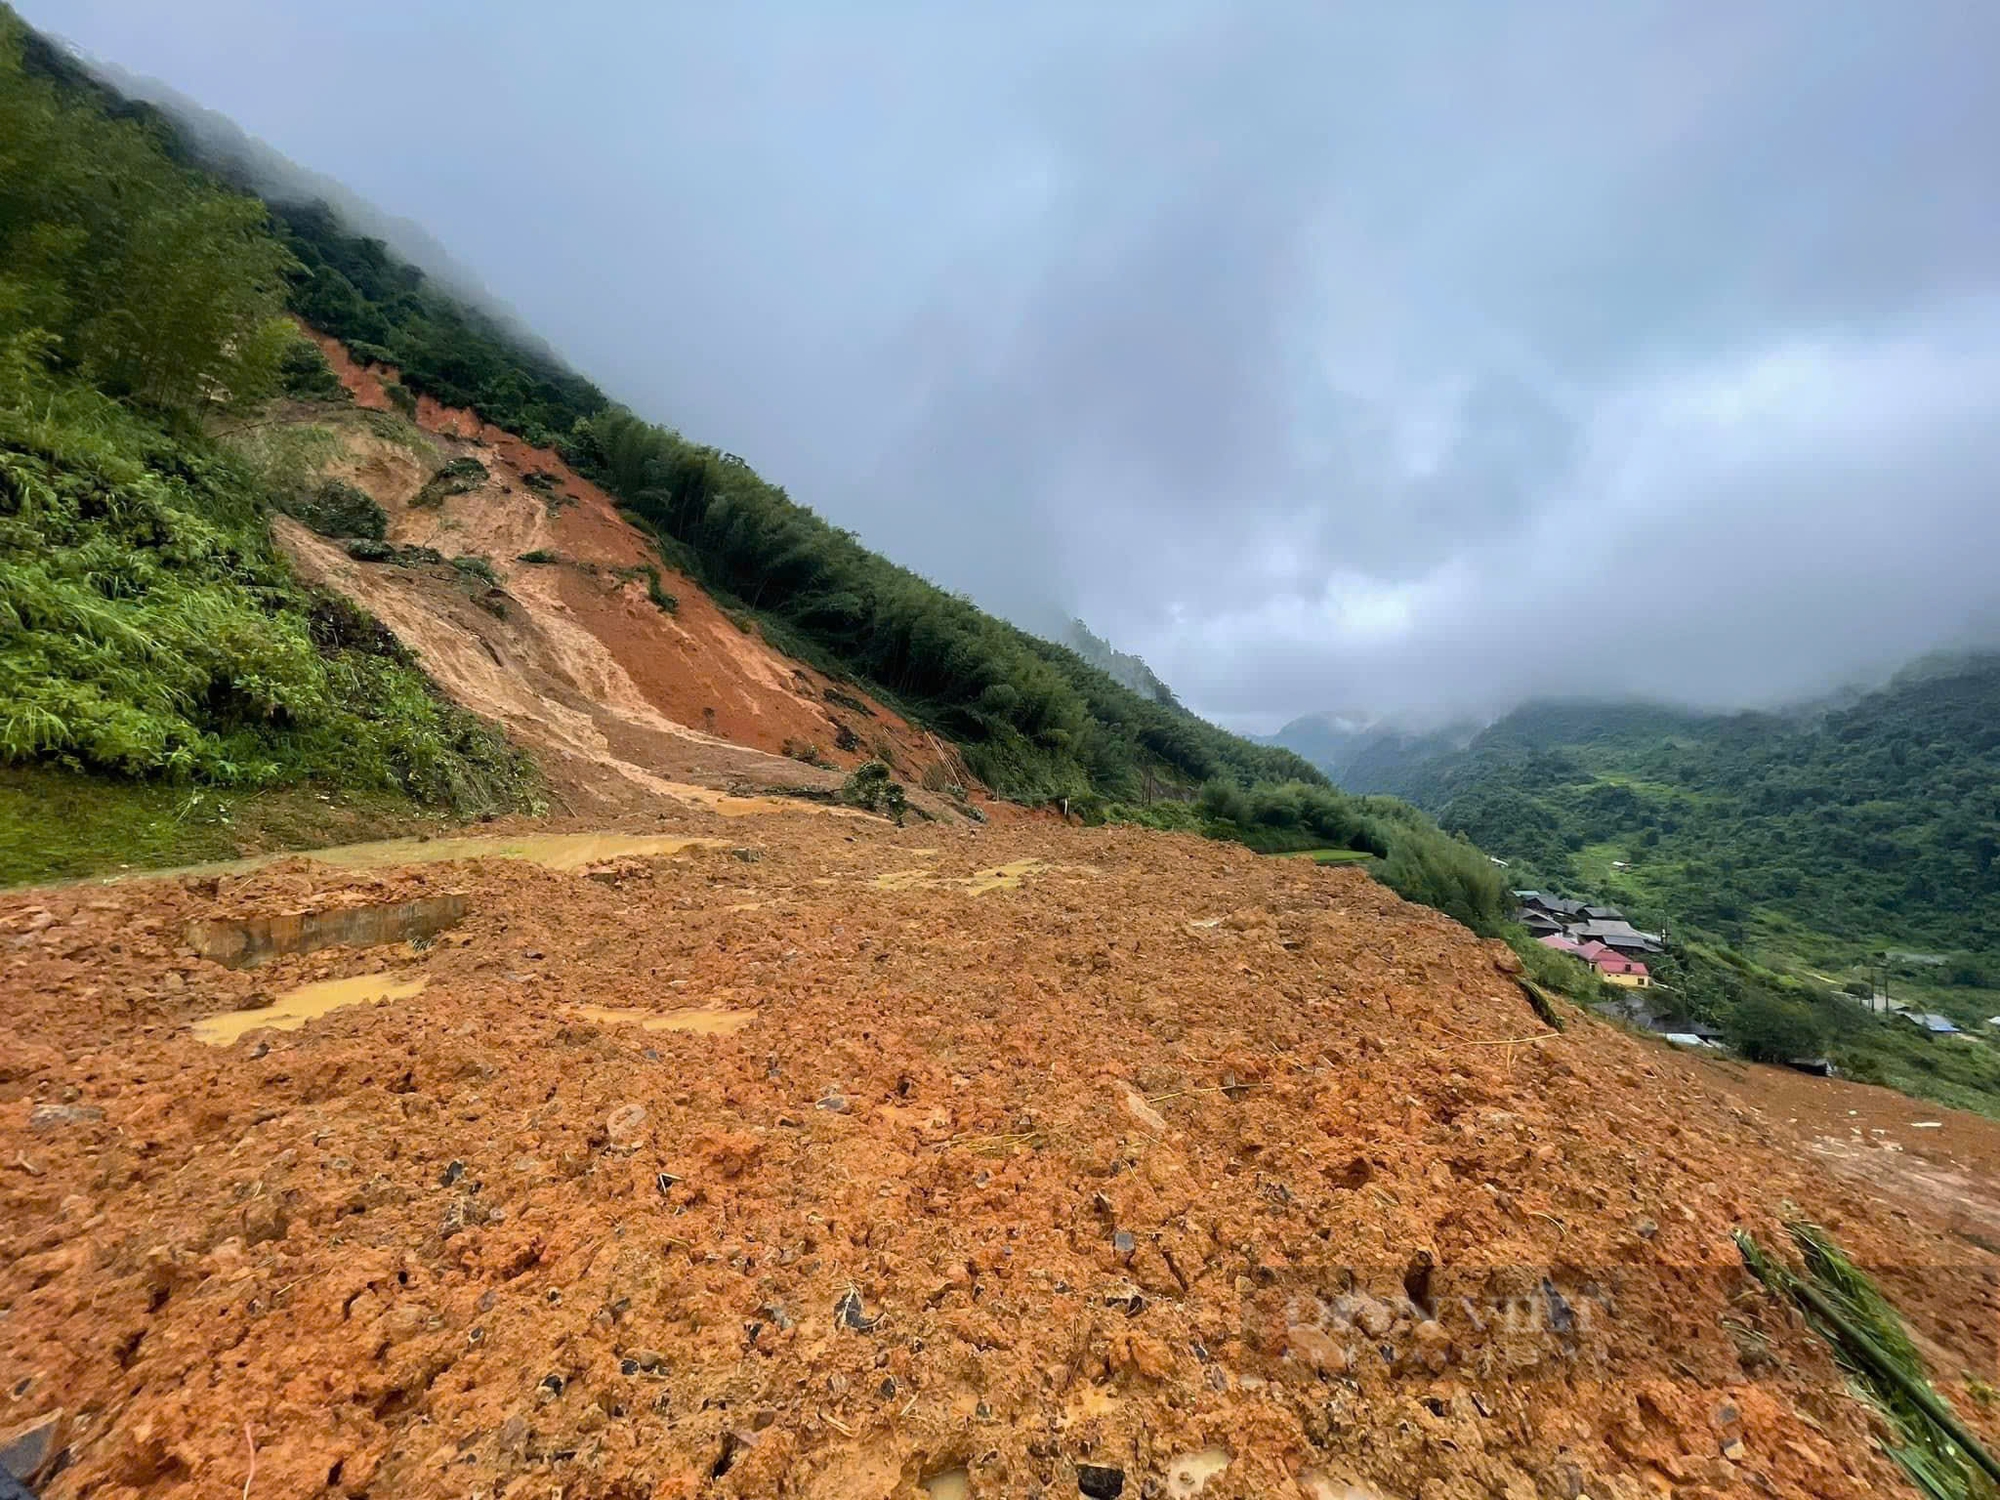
[1363,754]
[1872,818]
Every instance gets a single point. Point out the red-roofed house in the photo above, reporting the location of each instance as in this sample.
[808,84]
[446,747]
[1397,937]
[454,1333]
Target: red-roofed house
[1615,966]
[1608,961]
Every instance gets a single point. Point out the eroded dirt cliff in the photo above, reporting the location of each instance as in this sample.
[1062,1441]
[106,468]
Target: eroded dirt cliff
[577,652]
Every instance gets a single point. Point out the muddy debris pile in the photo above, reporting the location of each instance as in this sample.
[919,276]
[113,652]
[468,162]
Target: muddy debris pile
[937,1161]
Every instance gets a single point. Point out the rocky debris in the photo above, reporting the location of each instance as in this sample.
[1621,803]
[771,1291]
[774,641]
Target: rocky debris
[245,942]
[1136,1106]
[625,1126]
[22,1058]
[30,1451]
[50,1117]
[848,1313]
[1353,1243]
[1100,1481]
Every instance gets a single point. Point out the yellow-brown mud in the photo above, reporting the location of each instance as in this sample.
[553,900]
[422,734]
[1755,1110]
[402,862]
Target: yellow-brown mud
[1156,1156]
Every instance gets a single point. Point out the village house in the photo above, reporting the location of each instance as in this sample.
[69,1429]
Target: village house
[1545,915]
[1615,966]
[1609,962]
[1559,907]
[1616,933]
[1930,1021]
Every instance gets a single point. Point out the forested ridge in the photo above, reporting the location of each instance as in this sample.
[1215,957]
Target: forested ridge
[1792,856]
[1877,822]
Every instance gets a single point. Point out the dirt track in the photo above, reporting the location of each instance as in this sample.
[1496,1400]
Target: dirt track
[1045,1147]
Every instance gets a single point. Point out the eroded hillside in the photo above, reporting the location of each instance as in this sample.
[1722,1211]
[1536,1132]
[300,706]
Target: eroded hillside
[620,674]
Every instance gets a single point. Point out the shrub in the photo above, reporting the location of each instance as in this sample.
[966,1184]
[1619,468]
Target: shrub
[336,509]
[304,374]
[1768,1028]
[401,397]
[539,555]
[457,477]
[871,786]
[477,567]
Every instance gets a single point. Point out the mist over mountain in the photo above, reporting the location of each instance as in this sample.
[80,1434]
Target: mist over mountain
[232,153]
[1428,359]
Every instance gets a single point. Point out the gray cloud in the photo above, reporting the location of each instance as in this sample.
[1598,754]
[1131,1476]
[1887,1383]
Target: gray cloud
[1406,358]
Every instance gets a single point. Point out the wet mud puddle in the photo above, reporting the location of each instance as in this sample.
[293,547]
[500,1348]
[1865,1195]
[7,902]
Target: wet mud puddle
[700,1022]
[552,851]
[294,1008]
[1006,877]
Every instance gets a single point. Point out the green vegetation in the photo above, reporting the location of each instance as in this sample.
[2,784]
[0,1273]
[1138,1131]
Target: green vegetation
[540,556]
[148,630]
[874,787]
[1869,1341]
[59,825]
[1129,670]
[1877,824]
[1332,856]
[335,509]
[663,601]
[458,476]
[119,270]
[304,374]
[1796,859]
[477,567]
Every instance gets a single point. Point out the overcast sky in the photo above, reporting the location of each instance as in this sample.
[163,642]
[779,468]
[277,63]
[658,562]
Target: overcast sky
[1382,357]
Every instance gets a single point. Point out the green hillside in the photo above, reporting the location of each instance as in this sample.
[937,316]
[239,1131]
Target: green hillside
[1791,856]
[1876,824]
[150,635]
[152,641]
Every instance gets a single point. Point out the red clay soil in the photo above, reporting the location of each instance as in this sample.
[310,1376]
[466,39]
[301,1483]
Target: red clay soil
[592,620]
[1043,1148]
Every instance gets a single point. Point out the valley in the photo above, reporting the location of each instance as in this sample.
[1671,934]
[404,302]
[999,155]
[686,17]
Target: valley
[1805,861]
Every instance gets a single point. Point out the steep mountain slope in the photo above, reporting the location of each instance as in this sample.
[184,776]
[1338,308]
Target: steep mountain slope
[572,636]
[1129,670]
[1034,719]
[1029,718]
